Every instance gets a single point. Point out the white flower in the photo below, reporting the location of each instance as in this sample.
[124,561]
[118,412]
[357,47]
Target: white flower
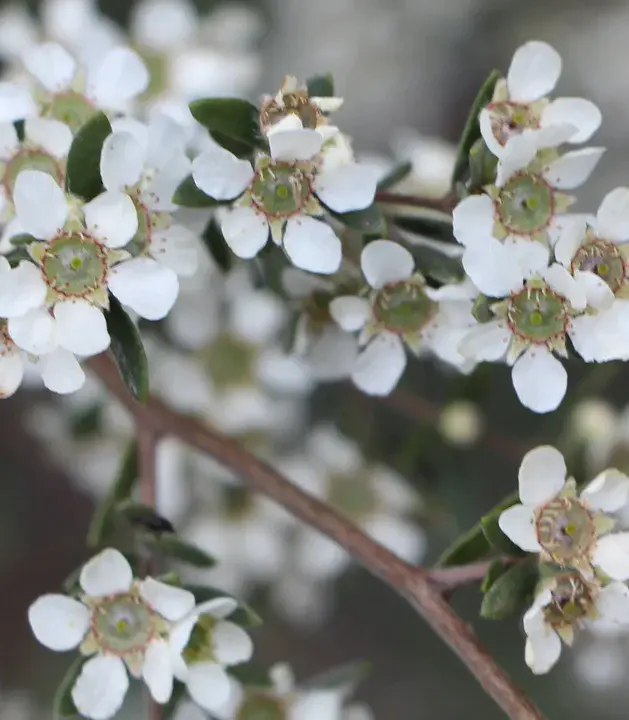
[564,528]
[520,119]
[432,162]
[72,93]
[120,624]
[565,602]
[532,323]
[281,193]
[400,310]
[203,644]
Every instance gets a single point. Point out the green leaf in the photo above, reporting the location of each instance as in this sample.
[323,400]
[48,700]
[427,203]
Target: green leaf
[143,518]
[179,692]
[244,615]
[173,547]
[345,677]
[370,221]
[496,568]
[191,196]
[63,705]
[22,239]
[103,521]
[215,242]
[128,351]
[493,533]
[251,674]
[87,421]
[482,167]
[19,129]
[16,256]
[83,167]
[71,585]
[437,265]
[482,309]
[395,175]
[229,118]
[321,85]
[236,147]
[470,546]
[471,131]
[511,591]
[431,224]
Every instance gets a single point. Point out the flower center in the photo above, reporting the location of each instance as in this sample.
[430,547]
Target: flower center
[294,103]
[538,315]
[261,706]
[565,529]
[509,119]
[280,189]
[123,624]
[75,265]
[526,204]
[604,259]
[230,361]
[403,307]
[70,107]
[572,600]
[200,647]
[31,159]
[140,242]
[353,496]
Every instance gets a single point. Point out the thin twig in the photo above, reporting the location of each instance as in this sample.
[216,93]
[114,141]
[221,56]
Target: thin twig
[445,204]
[451,578]
[413,583]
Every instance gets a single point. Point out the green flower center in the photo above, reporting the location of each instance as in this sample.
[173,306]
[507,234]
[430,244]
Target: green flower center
[295,103]
[565,529]
[261,706]
[572,600]
[75,265]
[526,204]
[403,307]
[352,495]
[123,624]
[230,361]
[509,119]
[200,647]
[141,241]
[603,259]
[31,159]
[537,315]
[71,108]
[280,190]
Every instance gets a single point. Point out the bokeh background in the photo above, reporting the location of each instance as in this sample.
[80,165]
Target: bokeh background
[403,66]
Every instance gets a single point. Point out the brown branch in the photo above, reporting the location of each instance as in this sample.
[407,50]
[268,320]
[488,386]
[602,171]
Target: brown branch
[451,578]
[413,583]
[445,204]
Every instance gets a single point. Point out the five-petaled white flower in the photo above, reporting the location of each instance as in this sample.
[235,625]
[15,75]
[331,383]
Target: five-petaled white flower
[400,309]
[520,120]
[567,529]
[281,193]
[121,624]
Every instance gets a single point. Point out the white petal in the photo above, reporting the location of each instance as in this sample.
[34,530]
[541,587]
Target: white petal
[486,130]
[40,204]
[11,373]
[51,135]
[53,66]
[121,161]
[518,524]
[61,372]
[602,337]
[164,25]
[542,475]
[562,282]
[16,102]
[101,687]
[106,574]
[540,380]
[609,491]
[473,216]
[208,685]
[517,154]
[611,554]
[157,671]
[59,622]
[81,327]
[597,292]
[21,290]
[346,187]
[312,245]
[572,235]
[292,145]
[34,332]
[219,607]
[551,136]
[542,651]
[176,248]
[534,71]
[573,168]
[531,256]
[380,365]
[172,603]
[9,141]
[384,262]
[612,218]
[145,286]
[112,218]
[350,312]
[486,341]
[578,112]
[121,76]
[612,603]
[231,644]
[220,174]
[245,231]
[318,704]
[493,267]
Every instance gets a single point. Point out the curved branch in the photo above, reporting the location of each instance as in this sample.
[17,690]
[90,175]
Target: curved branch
[445,204]
[413,583]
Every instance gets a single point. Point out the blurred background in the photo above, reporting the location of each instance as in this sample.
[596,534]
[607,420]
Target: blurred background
[408,70]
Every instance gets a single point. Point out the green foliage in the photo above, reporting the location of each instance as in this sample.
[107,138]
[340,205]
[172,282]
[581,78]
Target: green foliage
[497,538]
[251,674]
[395,175]
[471,546]
[16,256]
[321,85]
[174,548]
[244,615]
[431,224]
[370,221]
[63,705]
[482,310]
[482,169]
[215,243]
[229,120]
[471,131]
[510,592]
[496,568]
[22,239]
[83,168]
[128,351]
[189,195]
[436,265]
[143,518]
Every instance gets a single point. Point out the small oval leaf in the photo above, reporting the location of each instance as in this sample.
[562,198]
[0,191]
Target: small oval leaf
[395,175]
[83,167]
[22,239]
[471,546]
[63,705]
[482,309]
[496,568]
[231,118]
[321,85]
[511,592]
[188,194]
[215,242]
[171,546]
[370,221]
[143,518]
[128,351]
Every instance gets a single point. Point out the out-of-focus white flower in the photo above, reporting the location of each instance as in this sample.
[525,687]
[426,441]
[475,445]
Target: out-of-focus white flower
[461,423]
